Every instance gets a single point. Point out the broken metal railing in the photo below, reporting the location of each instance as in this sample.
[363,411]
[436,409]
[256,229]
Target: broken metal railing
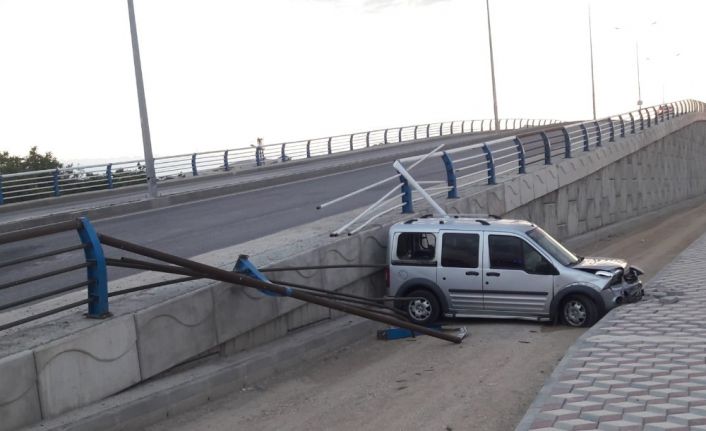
[245,275]
[482,164]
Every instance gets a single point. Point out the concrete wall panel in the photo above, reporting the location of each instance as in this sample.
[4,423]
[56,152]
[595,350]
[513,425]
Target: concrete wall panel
[87,366]
[19,400]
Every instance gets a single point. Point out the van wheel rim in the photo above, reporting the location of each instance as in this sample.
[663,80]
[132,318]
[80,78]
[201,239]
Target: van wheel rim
[420,309]
[575,313]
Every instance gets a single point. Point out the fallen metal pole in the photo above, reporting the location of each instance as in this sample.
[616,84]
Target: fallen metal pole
[235,278]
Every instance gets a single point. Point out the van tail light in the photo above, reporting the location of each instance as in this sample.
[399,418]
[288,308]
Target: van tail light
[387,276]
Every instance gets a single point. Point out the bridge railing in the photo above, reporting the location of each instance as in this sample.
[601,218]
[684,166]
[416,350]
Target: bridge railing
[23,186]
[93,263]
[482,164]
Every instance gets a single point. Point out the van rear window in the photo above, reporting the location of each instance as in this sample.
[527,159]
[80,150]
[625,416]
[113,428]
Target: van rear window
[420,246]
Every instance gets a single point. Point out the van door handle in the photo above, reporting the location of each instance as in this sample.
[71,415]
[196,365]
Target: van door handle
[492,274]
[471,272]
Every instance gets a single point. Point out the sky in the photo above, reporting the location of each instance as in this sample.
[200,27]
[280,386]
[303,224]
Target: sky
[220,73]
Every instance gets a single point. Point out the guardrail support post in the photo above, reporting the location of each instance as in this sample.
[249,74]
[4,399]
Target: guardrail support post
[441,129]
[328,145]
[308,148]
[399,135]
[2,197]
[490,163]
[408,207]
[109,175]
[520,156]
[350,142]
[367,141]
[612,131]
[472,121]
[567,143]
[463,126]
[450,176]
[598,131]
[622,127]
[585,137]
[632,122]
[283,152]
[642,120]
[385,138]
[55,182]
[415,132]
[482,123]
[96,271]
[226,165]
[547,148]
[657,115]
[428,127]
[194,170]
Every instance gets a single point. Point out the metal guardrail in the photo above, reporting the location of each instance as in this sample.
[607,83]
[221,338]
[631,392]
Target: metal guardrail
[483,163]
[31,185]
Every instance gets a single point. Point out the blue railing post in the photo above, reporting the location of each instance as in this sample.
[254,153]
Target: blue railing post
[55,182]
[547,148]
[520,156]
[585,137]
[408,207]
[2,197]
[490,163]
[598,132]
[612,131]
[308,148]
[567,143]
[632,121]
[194,169]
[450,176]
[109,175]
[328,145]
[226,165]
[96,271]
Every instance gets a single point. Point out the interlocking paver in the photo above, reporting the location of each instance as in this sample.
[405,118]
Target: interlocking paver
[641,367]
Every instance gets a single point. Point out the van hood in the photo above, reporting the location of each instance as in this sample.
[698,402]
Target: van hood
[601,264]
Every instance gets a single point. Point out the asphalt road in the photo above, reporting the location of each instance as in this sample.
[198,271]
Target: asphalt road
[202,226]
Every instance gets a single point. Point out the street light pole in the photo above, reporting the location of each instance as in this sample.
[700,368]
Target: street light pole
[639,88]
[593,81]
[492,69]
[146,140]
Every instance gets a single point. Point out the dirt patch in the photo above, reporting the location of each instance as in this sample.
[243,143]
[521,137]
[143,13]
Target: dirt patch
[486,383]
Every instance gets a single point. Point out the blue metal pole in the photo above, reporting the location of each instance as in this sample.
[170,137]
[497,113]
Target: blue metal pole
[109,175]
[547,148]
[585,136]
[408,207]
[567,143]
[520,156]
[450,176]
[55,182]
[490,164]
[96,272]
[194,170]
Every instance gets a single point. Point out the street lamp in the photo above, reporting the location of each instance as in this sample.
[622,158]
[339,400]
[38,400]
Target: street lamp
[593,81]
[146,140]
[492,69]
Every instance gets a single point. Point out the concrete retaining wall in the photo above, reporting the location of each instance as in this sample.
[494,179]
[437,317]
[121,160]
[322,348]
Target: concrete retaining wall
[85,362]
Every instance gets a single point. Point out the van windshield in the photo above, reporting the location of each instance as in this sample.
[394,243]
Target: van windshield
[553,247]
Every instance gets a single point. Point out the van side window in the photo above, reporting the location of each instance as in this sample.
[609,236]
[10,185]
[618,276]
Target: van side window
[459,250]
[505,252]
[510,252]
[416,246]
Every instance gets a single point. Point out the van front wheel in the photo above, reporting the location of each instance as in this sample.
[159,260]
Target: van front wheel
[578,311]
[424,308]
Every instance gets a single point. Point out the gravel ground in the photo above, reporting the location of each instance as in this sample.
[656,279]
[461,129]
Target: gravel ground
[486,383]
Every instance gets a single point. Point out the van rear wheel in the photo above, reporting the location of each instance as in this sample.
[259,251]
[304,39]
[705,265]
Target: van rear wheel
[578,311]
[424,309]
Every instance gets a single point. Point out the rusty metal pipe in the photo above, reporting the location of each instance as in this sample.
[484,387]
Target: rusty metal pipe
[235,278]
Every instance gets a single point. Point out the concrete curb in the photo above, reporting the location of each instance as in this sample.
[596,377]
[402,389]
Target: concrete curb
[174,392]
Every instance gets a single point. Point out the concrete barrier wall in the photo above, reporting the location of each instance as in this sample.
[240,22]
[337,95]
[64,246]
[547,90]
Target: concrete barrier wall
[636,174]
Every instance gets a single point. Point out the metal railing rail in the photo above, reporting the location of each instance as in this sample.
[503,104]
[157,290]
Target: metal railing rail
[23,186]
[95,279]
[482,164]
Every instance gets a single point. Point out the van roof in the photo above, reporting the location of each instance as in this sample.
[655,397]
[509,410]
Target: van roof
[462,223]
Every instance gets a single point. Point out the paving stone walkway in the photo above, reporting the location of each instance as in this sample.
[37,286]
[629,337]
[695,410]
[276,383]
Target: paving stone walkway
[642,367]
